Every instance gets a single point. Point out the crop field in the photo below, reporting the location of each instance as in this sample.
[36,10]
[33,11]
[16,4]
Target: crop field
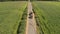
[48,14]
[10,16]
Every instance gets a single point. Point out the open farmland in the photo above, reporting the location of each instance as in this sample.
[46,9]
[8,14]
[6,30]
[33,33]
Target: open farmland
[48,14]
[10,16]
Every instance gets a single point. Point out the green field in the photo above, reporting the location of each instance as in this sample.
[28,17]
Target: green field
[48,14]
[10,16]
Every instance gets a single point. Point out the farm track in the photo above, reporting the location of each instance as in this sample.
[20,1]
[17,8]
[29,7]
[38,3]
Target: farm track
[31,23]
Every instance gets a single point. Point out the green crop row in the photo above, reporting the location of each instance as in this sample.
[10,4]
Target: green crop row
[48,15]
[10,16]
[22,24]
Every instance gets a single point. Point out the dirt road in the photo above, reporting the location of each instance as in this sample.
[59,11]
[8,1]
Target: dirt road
[31,24]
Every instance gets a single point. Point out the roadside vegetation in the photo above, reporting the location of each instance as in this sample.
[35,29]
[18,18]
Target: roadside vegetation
[10,16]
[22,24]
[47,16]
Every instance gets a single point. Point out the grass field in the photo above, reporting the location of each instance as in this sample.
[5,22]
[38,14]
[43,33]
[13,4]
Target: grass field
[10,16]
[48,13]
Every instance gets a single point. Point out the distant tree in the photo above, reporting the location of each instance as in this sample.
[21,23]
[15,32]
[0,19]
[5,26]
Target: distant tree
[1,0]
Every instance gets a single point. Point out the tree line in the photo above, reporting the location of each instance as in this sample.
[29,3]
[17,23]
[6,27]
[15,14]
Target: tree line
[47,0]
[12,0]
[27,0]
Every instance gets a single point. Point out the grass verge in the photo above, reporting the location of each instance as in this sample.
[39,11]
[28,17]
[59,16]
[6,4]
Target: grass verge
[22,24]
